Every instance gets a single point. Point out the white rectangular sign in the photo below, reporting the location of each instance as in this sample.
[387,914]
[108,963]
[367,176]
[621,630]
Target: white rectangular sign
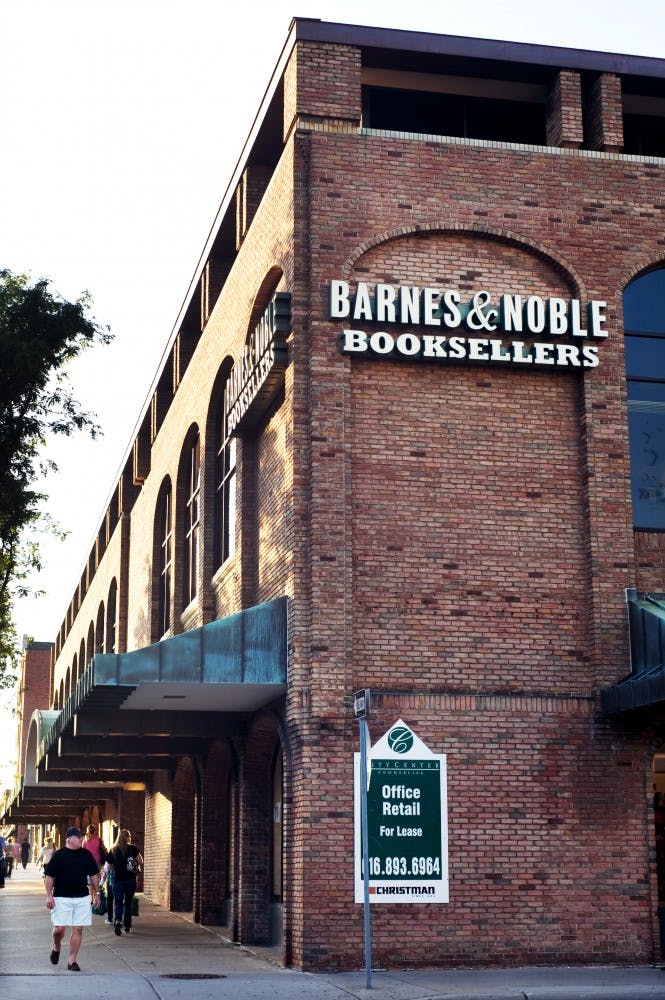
[407,819]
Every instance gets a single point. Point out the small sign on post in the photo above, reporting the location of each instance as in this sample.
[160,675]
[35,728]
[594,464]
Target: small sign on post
[404,858]
[361,703]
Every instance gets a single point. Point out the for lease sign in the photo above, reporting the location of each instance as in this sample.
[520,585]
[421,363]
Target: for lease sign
[407,819]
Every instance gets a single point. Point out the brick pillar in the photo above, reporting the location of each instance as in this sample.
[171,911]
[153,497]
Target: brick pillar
[141,454]
[322,82]
[184,837]
[249,193]
[213,277]
[255,831]
[564,111]
[131,815]
[158,839]
[605,114]
[215,836]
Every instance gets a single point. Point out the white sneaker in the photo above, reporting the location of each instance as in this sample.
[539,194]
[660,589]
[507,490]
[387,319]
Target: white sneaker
[108,921]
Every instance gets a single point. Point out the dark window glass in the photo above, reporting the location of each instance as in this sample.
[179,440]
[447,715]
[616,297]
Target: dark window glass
[645,357]
[225,493]
[644,304]
[644,326]
[165,564]
[192,523]
[644,135]
[111,610]
[450,114]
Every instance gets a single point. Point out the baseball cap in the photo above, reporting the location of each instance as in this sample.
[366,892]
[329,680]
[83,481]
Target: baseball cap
[73,832]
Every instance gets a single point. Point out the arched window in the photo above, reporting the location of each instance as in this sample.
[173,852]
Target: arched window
[192,520]
[99,630]
[164,559]
[110,640]
[225,490]
[644,329]
[83,663]
[90,648]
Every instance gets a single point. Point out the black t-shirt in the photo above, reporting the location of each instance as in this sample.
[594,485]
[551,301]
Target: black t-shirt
[121,872]
[69,868]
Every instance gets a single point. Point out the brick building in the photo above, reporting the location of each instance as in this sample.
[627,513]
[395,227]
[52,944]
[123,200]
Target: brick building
[408,435]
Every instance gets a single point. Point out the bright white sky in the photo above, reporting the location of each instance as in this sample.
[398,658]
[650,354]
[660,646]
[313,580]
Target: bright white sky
[120,125]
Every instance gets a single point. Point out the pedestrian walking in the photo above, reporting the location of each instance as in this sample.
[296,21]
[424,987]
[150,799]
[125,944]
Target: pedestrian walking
[25,852]
[94,843]
[46,853]
[9,857]
[67,895]
[125,859]
[106,885]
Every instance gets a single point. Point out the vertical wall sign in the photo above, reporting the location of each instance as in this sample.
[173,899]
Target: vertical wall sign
[258,375]
[407,819]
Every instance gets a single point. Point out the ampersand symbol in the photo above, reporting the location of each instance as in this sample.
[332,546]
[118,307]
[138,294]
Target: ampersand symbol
[478,318]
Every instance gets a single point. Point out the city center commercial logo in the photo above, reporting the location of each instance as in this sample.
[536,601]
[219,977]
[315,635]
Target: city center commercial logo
[400,739]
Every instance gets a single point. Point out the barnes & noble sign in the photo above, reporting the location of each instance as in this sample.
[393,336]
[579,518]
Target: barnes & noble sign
[258,374]
[507,329]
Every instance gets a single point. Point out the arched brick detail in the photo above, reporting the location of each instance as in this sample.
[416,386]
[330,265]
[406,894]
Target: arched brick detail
[90,645]
[543,252]
[186,799]
[217,843]
[254,859]
[266,290]
[164,499]
[100,628]
[638,270]
[179,514]
[110,637]
[210,444]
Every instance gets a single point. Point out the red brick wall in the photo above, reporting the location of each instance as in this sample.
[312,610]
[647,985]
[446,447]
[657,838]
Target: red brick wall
[564,119]
[216,835]
[322,82]
[157,852]
[470,541]
[184,837]
[255,802]
[33,692]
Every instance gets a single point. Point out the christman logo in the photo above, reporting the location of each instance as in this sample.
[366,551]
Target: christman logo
[400,739]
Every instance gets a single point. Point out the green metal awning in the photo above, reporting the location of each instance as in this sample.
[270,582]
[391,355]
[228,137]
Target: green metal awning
[134,712]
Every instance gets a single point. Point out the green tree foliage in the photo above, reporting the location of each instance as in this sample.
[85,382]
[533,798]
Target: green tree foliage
[40,333]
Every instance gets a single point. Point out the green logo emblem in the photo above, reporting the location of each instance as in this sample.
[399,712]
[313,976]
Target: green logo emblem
[400,739]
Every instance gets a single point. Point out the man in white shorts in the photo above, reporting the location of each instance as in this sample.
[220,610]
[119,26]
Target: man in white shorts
[67,895]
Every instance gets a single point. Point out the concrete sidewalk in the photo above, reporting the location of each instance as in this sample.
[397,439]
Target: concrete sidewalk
[167,957]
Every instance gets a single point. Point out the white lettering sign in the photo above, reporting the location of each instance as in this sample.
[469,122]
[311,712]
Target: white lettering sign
[480,325]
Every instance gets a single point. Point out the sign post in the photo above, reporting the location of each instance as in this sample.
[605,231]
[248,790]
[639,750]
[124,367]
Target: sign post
[401,856]
[361,700]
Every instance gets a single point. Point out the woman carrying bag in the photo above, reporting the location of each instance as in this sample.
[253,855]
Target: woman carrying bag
[125,859]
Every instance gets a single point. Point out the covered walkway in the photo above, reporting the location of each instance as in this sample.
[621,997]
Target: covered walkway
[166,956]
